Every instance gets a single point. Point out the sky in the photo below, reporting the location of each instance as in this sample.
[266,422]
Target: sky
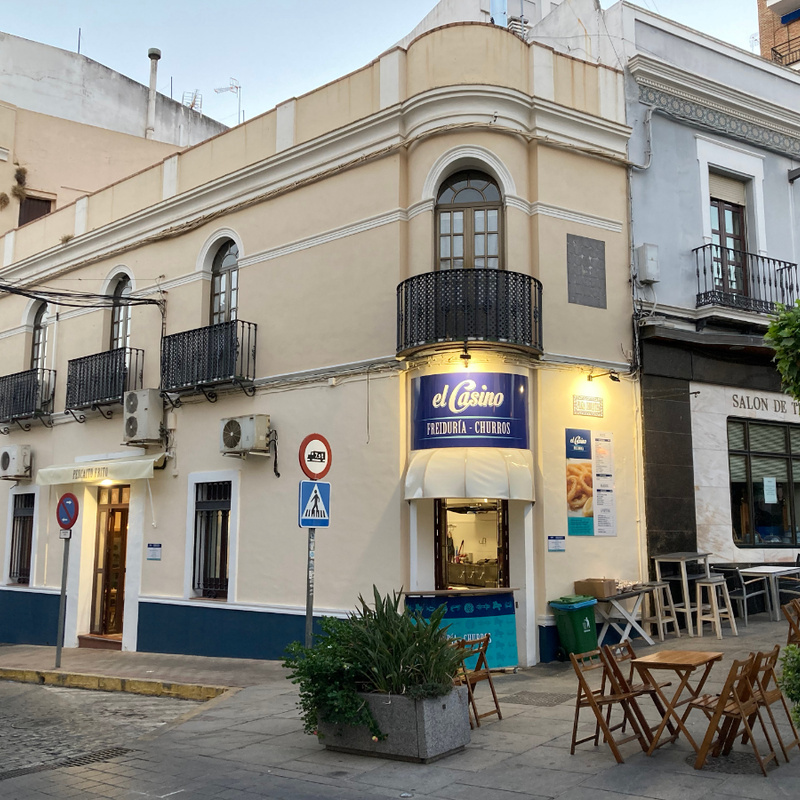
[275,49]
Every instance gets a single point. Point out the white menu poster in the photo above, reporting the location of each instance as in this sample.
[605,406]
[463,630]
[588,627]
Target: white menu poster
[605,504]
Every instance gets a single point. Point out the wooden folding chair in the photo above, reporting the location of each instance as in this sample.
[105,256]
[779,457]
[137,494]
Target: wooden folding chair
[471,677]
[767,693]
[617,655]
[792,613]
[735,705]
[602,700]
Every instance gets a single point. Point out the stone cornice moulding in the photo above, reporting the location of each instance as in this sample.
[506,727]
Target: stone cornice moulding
[700,39]
[672,80]
[360,139]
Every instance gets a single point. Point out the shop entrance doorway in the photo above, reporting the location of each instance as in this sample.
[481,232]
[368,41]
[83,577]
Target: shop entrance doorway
[471,544]
[108,596]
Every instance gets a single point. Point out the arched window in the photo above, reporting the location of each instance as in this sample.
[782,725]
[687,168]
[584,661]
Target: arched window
[39,342]
[121,314]
[469,222]
[225,283]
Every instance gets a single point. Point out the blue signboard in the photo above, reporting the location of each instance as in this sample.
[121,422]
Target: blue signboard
[470,409]
[473,616]
[314,510]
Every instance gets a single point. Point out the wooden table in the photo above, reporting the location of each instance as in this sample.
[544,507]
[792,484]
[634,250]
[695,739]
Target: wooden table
[682,559]
[772,574]
[612,620]
[683,663]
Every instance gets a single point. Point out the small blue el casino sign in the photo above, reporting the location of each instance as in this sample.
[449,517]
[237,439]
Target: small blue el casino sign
[470,409]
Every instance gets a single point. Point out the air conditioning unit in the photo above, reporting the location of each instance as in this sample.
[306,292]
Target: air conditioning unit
[241,435]
[143,414]
[15,462]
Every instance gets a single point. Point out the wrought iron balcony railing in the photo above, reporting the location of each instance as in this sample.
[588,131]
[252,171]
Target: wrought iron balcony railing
[103,378]
[744,281]
[787,53]
[211,356]
[484,305]
[28,394]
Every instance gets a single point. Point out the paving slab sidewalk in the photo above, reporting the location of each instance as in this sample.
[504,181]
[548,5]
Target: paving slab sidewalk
[250,743]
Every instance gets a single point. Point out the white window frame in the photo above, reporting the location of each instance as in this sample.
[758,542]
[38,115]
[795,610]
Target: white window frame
[15,490]
[233,476]
[744,165]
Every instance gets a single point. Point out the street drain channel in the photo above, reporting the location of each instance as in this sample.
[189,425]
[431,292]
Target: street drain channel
[732,764]
[77,761]
[541,699]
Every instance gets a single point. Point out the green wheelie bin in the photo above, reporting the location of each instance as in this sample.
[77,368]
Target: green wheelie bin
[577,629]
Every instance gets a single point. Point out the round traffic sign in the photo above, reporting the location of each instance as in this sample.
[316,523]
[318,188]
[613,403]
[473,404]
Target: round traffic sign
[67,510]
[315,456]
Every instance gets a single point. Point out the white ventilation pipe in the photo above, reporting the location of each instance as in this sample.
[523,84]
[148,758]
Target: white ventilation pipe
[154,54]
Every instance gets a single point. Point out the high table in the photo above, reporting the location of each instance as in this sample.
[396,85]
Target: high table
[683,663]
[613,613]
[772,574]
[682,559]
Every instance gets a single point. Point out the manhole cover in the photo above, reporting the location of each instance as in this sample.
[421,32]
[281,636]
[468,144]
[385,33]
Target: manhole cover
[542,699]
[31,724]
[732,764]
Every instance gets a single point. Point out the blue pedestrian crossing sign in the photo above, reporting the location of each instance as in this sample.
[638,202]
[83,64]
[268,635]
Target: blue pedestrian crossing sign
[315,504]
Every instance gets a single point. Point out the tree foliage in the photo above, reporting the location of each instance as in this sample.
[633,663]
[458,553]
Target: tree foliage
[783,335]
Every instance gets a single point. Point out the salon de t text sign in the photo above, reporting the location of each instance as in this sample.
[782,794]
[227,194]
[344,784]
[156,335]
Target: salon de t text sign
[315,456]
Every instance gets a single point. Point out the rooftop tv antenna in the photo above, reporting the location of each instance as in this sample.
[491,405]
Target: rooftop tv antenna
[193,100]
[236,87]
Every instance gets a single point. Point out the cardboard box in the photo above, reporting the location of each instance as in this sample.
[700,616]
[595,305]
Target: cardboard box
[596,587]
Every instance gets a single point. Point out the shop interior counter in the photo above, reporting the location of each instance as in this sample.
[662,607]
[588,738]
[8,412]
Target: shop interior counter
[472,613]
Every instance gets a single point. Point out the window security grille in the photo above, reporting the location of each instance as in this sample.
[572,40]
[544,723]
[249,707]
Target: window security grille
[211,525]
[21,538]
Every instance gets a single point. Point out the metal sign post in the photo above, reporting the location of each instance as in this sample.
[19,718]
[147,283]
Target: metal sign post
[314,509]
[67,515]
[310,587]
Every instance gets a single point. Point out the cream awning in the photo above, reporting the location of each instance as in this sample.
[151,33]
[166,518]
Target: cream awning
[121,469]
[492,472]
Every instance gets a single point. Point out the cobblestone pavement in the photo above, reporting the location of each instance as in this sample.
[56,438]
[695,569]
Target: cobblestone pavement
[41,724]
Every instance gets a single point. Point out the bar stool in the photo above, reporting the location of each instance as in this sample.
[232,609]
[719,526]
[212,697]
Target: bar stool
[713,611]
[662,609]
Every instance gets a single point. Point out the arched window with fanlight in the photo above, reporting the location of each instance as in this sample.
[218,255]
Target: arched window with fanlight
[469,222]
[121,314]
[225,283]
[39,341]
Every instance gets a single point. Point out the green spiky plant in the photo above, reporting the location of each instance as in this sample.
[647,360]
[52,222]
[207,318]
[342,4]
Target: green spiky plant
[376,648]
[783,335]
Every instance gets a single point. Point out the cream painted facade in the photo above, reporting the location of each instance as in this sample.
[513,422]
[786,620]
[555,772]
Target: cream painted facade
[331,202]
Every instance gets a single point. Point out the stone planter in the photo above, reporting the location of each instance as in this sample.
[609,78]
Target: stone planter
[416,730]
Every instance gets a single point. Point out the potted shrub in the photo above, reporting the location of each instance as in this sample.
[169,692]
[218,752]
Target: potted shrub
[380,682]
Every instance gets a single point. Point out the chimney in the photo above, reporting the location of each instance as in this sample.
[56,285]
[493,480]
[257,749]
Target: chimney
[154,54]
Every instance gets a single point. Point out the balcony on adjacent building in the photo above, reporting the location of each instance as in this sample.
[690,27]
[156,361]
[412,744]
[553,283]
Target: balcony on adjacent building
[103,378]
[743,281]
[207,357]
[25,395]
[469,305]
[787,53]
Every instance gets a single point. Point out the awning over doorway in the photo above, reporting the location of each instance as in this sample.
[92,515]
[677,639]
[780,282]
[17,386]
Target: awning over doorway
[492,472]
[120,469]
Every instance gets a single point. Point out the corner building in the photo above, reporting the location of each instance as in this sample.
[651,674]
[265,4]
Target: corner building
[424,262]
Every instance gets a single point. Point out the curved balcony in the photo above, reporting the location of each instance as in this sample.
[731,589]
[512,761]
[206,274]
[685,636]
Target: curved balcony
[473,305]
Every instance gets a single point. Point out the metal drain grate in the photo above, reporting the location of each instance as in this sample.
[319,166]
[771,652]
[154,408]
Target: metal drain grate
[541,699]
[732,764]
[77,761]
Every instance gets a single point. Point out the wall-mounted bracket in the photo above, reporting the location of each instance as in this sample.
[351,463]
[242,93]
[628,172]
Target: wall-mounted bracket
[81,418]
